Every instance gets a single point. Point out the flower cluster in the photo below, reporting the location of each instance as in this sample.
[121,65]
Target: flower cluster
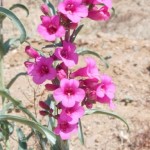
[73,91]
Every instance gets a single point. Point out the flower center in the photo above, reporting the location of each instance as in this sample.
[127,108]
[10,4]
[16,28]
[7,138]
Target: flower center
[64,53]
[103,87]
[52,29]
[44,69]
[70,8]
[64,125]
[69,111]
[69,91]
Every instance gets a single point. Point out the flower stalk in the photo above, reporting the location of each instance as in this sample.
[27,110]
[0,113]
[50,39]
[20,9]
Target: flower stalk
[1,52]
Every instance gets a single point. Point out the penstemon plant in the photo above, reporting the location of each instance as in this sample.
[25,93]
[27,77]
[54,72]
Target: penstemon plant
[73,93]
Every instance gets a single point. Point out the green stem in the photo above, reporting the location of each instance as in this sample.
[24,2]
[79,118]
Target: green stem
[64,145]
[1,55]
[1,67]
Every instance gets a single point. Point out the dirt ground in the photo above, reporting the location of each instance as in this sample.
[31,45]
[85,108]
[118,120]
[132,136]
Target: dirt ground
[125,42]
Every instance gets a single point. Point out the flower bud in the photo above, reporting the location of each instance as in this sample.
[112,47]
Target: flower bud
[45,9]
[51,87]
[43,112]
[31,52]
[44,105]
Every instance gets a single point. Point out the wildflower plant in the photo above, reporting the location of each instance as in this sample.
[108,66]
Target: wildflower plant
[72,92]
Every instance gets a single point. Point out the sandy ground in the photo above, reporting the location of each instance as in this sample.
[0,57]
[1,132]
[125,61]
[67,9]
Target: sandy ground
[125,42]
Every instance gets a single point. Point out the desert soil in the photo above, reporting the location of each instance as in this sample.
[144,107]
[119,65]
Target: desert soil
[125,42]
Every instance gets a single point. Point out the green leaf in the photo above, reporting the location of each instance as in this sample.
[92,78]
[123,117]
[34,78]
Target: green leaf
[51,6]
[6,107]
[8,44]
[84,52]
[16,21]
[6,129]
[52,45]
[96,111]
[34,125]
[16,103]
[21,139]
[15,78]
[75,33]
[80,133]
[51,103]
[20,6]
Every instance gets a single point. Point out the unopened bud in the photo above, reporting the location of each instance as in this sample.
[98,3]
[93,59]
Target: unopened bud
[31,52]
[43,112]
[45,9]
[43,105]
[51,87]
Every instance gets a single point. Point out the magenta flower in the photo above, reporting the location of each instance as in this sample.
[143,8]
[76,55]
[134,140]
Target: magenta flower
[69,92]
[65,129]
[73,9]
[99,14]
[41,70]
[75,112]
[105,91]
[50,29]
[31,52]
[67,54]
[90,70]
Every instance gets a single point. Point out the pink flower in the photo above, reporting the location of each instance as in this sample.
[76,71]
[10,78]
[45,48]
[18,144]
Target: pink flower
[75,112]
[67,54]
[65,129]
[105,91]
[99,14]
[69,92]
[90,70]
[31,52]
[50,29]
[41,70]
[73,9]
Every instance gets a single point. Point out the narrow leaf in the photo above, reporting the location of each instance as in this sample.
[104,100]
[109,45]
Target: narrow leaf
[51,6]
[16,21]
[34,125]
[51,103]
[20,6]
[6,107]
[80,133]
[75,33]
[16,103]
[96,111]
[15,78]
[9,44]
[84,52]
